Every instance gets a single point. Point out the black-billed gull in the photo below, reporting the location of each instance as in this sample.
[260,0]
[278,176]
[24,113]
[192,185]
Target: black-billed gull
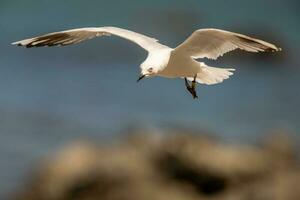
[179,62]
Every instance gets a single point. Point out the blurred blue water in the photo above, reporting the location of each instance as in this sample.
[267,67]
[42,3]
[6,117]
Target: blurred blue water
[50,96]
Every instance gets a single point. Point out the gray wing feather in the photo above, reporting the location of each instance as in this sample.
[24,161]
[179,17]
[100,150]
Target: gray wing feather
[75,36]
[212,43]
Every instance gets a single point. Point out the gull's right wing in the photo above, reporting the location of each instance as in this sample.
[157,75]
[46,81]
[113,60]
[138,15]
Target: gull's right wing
[75,36]
[212,43]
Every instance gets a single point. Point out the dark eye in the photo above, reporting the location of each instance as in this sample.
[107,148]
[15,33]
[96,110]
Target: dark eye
[150,70]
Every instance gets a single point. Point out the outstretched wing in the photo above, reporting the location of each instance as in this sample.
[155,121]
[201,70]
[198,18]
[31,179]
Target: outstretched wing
[75,36]
[212,43]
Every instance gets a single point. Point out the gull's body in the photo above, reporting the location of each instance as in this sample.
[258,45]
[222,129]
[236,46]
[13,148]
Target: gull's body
[164,61]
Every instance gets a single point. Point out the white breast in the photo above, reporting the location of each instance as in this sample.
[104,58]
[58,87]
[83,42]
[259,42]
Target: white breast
[159,58]
[180,66]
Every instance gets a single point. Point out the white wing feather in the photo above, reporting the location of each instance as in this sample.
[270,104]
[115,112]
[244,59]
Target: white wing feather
[212,43]
[75,36]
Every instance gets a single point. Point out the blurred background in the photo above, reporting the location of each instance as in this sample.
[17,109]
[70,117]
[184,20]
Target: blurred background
[51,97]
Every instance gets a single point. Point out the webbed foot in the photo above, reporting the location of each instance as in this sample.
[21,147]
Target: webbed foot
[191,88]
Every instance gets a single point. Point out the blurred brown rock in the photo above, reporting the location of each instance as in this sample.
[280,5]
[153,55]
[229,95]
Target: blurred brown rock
[178,166]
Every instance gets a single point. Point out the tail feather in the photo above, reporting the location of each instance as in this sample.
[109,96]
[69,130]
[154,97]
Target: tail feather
[212,75]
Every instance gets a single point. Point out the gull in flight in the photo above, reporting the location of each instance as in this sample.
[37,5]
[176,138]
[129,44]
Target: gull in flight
[164,61]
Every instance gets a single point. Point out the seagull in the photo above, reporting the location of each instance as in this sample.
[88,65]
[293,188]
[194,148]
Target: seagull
[164,61]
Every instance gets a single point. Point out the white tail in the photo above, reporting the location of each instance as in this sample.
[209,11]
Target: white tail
[212,75]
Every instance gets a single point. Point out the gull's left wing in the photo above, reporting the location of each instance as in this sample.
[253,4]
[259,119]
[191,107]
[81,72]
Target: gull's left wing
[75,36]
[212,43]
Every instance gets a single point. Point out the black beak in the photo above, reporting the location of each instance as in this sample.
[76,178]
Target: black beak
[141,77]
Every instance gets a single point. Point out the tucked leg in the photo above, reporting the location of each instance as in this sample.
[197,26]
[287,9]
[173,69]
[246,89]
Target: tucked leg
[191,88]
[194,82]
[194,87]
[187,85]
